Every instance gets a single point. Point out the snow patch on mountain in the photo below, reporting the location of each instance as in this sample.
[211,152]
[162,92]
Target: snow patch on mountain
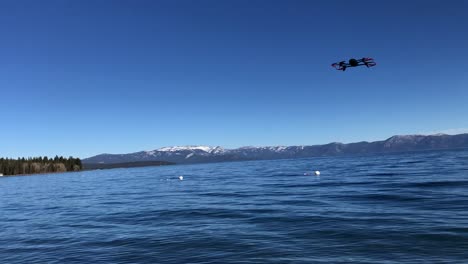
[190,148]
[270,148]
[217,150]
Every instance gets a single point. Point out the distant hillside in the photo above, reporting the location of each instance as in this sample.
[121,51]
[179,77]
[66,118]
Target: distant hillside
[95,166]
[201,154]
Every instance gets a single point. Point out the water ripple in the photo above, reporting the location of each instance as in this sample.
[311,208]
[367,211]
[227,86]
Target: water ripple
[394,208]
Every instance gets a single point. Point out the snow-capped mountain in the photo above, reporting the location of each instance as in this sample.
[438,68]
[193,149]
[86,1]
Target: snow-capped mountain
[190,148]
[199,154]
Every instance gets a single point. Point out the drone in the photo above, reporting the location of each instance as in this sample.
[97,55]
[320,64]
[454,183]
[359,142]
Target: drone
[342,65]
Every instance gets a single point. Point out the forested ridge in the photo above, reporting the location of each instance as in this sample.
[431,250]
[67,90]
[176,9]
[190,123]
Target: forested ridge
[34,165]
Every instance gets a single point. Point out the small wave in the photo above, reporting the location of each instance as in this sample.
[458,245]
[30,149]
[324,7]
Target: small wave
[379,197]
[437,184]
[378,174]
[227,195]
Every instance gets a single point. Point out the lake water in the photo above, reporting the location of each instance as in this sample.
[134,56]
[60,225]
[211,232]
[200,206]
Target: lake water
[398,208]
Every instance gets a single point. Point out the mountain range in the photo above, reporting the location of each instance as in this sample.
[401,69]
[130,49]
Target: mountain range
[205,154]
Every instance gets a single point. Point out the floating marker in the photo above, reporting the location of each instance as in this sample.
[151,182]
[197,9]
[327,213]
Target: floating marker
[181,178]
[317,173]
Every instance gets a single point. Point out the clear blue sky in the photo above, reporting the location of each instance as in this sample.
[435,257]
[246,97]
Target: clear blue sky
[88,77]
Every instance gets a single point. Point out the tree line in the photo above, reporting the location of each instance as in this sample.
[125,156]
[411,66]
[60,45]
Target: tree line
[39,165]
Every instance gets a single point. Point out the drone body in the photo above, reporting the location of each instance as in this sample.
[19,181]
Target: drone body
[342,65]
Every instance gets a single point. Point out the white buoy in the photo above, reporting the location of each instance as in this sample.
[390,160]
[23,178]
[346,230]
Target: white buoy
[181,178]
[317,173]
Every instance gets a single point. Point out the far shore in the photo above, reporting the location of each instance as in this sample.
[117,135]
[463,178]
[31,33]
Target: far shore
[40,173]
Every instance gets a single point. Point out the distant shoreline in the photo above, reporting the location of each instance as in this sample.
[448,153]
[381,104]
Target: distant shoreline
[91,167]
[103,166]
[41,173]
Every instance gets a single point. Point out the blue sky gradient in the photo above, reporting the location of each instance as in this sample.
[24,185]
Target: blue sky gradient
[88,77]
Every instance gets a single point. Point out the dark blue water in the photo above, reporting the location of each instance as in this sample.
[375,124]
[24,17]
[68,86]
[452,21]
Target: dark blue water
[400,208]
